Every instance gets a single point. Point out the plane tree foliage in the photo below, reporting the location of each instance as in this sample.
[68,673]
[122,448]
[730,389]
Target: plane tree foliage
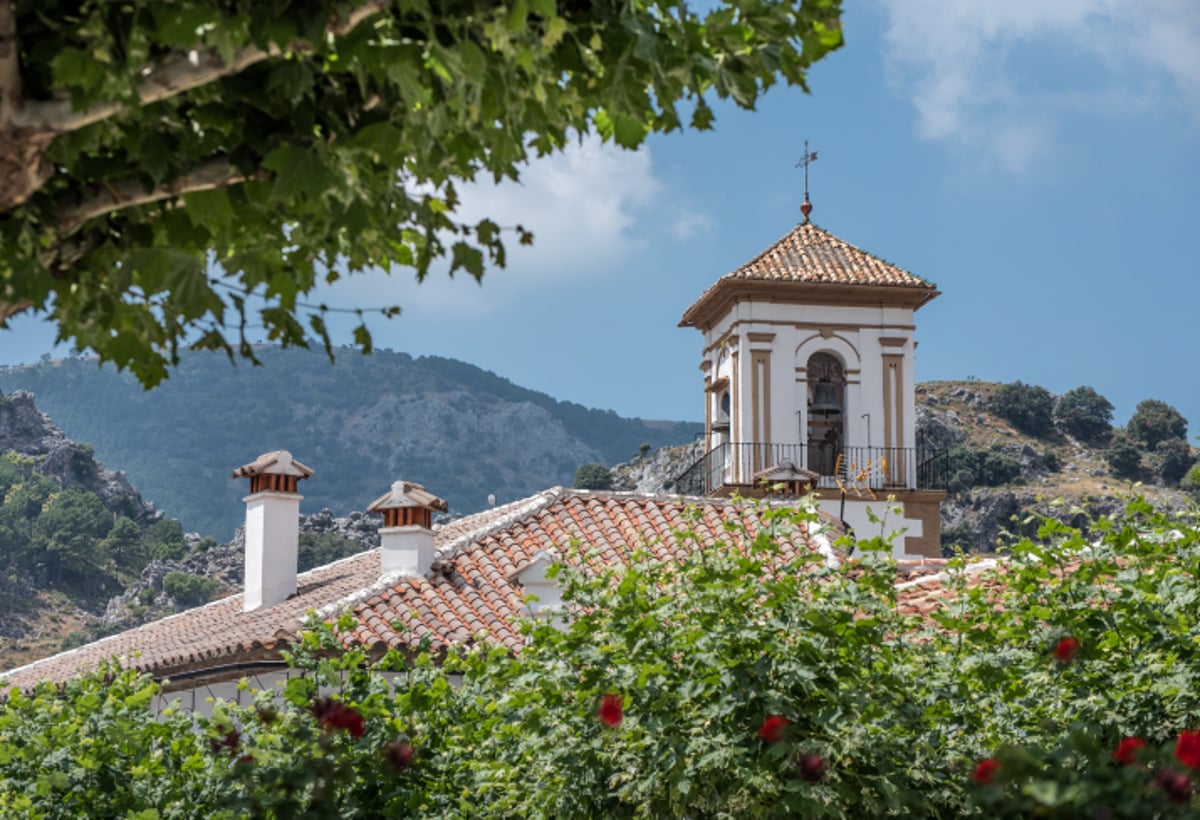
[174,172]
[740,680]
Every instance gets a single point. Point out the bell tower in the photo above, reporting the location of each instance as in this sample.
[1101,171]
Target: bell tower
[808,366]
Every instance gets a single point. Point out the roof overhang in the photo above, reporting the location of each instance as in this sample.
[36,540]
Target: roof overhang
[706,311]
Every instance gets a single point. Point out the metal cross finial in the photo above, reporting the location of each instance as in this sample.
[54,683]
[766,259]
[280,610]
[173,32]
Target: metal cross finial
[805,161]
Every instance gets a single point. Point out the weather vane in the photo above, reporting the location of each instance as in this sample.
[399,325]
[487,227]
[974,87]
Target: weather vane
[805,161]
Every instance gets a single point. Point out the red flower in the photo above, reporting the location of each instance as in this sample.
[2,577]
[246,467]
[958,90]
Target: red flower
[811,766]
[400,754]
[985,771]
[1065,649]
[1187,749]
[772,728]
[1177,785]
[332,714]
[228,743]
[1127,750]
[611,710]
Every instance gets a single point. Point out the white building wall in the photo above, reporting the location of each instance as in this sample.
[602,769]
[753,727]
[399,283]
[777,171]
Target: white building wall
[851,333]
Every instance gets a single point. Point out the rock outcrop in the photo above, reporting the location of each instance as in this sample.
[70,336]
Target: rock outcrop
[28,432]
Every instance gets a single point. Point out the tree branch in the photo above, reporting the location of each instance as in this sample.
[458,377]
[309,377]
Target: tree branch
[128,193]
[10,64]
[175,74]
[7,311]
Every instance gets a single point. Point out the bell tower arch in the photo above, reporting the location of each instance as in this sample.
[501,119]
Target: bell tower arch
[809,354]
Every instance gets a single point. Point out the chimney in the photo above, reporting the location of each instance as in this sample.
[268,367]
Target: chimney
[406,537]
[272,527]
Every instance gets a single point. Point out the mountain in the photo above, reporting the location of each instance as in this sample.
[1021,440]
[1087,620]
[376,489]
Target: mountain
[463,432]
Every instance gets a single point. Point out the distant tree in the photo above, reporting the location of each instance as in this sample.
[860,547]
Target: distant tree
[319,549]
[1154,421]
[593,477]
[1191,482]
[190,590]
[981,468]
[1028,407]
[1124,457]
[124,544]
[1084,414]
[68,531]
[1174,458]
[164,539]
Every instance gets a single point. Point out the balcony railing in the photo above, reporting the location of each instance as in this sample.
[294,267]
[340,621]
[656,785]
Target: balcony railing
[857,468]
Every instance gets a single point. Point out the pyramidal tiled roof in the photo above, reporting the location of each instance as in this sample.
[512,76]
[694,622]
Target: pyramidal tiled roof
[811,256]
[471,592]
[807,253]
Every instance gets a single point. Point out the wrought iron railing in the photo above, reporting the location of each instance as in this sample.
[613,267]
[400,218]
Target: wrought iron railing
[874,468]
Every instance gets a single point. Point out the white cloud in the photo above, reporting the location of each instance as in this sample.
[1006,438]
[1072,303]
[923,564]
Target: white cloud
[589,207]
[964,64]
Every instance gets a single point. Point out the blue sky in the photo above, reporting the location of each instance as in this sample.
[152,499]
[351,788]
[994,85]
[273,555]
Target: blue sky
[1040,162]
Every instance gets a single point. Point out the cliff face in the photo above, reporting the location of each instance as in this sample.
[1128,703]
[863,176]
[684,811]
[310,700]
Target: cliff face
[28,432]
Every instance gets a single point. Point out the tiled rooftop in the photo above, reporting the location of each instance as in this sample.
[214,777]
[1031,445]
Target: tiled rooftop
[469,593]
[807,255]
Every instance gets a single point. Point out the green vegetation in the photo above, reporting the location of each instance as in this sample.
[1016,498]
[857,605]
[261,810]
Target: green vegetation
[593,477]
[1123,456]
[1084,414]
[319,549]
[67,538]
[190,590]
[298,142]
[1028,407]
[1064,682]
[1156,421]
[179,442]
[981,468]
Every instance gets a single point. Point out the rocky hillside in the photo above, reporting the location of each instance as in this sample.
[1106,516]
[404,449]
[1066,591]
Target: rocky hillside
[59,510]
[999,472]
[360,424]
[28,433]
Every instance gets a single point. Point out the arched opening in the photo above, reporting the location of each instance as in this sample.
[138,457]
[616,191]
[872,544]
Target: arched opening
[826,412]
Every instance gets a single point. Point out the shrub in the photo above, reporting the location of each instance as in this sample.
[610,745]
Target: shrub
[1051,460]
[981,468]
[164,540]
[1026,406]
[190,590]
[593,477]
[1174,458]
[1084,414]
[1058,683]
[1124,457]
[319,549]
[1154,421]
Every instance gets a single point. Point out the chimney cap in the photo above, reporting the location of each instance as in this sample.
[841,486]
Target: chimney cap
[277,462]
[407,494]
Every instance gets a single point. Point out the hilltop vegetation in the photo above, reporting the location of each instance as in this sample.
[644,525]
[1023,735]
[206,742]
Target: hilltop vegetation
[463,432]
[1015,447]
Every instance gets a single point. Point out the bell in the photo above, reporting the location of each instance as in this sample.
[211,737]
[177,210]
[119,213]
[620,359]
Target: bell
[826,398]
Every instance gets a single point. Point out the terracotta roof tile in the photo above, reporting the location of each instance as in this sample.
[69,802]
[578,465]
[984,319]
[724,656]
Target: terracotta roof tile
[469,593]
[810,256]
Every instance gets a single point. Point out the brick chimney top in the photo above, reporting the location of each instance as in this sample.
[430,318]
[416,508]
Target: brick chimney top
[406,494]
[275,471]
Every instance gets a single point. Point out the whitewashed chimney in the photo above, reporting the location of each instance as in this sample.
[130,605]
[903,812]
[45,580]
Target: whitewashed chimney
[406,537]
[272,527]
